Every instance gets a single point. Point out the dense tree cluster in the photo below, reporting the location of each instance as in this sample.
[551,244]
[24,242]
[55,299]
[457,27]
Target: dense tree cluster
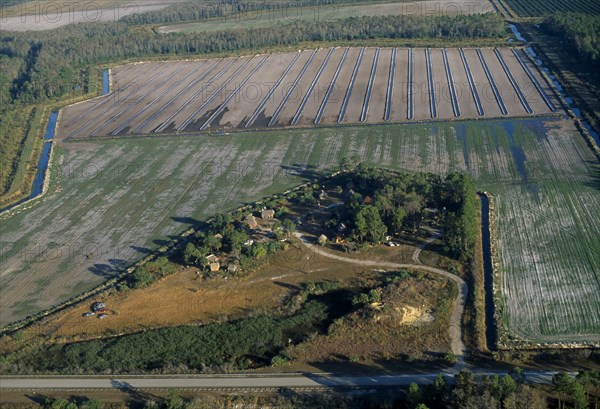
[380,203]
[580,31]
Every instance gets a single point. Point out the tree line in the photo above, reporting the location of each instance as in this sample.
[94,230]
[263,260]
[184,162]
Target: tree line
[580,31]
[202,10]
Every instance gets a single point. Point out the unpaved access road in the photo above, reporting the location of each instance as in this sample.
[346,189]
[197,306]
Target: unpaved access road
[456,343]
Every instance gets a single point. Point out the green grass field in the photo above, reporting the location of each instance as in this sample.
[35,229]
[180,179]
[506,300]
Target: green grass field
[329,13]
[113,200]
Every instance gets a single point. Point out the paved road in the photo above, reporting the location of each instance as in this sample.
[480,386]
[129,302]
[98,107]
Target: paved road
[455,329]
[234,381]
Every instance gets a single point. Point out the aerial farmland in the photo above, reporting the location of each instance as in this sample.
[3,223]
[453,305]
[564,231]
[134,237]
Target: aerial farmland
[321,87]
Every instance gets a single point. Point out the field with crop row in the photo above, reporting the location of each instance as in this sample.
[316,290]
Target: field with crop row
[112,200]
[314,87]
[533,8]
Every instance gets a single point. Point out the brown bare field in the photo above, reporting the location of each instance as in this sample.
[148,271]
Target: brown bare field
[255,91]
[400,95]
[380,86]
[441,85]
[336,99]
[464,95]
[507,91]
[421,93]
[357,97]
[318,94]
[195,96]
[486,95]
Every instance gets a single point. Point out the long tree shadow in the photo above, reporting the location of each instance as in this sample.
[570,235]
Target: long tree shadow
[111,269]
[190,221]
[305,171]
[140,249]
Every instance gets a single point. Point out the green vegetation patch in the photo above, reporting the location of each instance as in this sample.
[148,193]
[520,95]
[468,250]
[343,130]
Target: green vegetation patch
[536,8]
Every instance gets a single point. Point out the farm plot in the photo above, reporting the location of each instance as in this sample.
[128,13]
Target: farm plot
[323,90]
[314,87]
[111,201]
[399,106]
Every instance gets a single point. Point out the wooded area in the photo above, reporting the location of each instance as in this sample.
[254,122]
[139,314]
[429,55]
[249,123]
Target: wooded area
[579,31]
[382,202]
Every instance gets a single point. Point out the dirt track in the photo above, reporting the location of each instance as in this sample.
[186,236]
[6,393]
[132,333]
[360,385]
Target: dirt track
[457,345]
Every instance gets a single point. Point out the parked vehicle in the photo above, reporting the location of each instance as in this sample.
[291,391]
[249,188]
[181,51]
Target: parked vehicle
[89,314]
[102,316]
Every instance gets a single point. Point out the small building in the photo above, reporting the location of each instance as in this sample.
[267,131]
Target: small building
[232,268]
[323,239]
[251,222]
[267,214]
[214,267]
[323,195]
[218,236]
[212,258]
[248,242]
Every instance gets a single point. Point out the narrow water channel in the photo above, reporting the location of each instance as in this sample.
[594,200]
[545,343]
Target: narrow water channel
[42,167]
[491,333]
[557,85]
[105,82]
